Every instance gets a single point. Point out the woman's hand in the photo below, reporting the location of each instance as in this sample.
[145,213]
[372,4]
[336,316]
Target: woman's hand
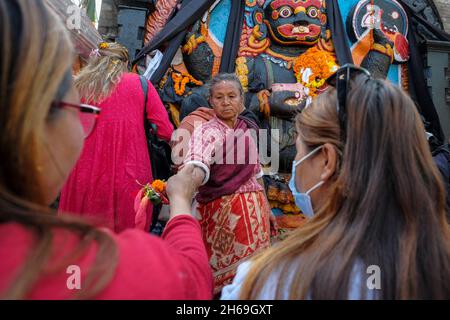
[285,104]
[181,189]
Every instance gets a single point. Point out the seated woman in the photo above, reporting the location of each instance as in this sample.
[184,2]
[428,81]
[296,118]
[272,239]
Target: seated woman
[363,167]
[45,256]
[232,207]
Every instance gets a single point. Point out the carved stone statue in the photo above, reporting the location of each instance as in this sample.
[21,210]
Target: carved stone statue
[286,51]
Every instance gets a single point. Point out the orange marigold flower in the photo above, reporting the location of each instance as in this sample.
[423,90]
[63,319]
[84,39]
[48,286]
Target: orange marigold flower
[159,185]
[321,64]
[104,45]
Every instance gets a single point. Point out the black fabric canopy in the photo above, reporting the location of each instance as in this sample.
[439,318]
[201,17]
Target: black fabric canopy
[174,31]
[233,37]
[341,46]
[418,85]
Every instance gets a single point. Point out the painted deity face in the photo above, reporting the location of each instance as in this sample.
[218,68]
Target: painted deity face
[295,22]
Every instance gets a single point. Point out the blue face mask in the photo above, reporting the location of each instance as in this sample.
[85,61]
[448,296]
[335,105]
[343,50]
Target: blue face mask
[303,200]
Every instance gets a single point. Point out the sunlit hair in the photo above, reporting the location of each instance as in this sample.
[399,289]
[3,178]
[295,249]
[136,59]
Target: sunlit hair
[98,78]
[385,206]
[36,57]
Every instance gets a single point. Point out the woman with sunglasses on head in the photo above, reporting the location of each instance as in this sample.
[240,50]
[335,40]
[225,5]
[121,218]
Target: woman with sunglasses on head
[104,183]
[364,171]
[45,256]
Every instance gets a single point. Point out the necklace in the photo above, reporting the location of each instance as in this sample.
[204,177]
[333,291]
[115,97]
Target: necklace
[279,59]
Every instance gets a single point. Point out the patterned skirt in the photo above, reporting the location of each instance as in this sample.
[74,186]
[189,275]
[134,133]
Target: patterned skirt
[234,228]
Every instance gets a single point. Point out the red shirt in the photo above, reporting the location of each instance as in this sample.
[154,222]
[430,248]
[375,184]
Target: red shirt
[174,267]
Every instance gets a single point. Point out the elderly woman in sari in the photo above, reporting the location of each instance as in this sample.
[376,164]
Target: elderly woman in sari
[231,204]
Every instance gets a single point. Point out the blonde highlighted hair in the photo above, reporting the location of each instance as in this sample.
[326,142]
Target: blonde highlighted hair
[97,80]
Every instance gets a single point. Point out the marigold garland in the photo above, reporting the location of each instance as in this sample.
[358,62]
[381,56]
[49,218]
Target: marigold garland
[242,72]
[159,185]
[155,192]
[313,67]
[103,45]
[180,80]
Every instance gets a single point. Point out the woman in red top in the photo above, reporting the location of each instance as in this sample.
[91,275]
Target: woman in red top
[43,256]
[103,184]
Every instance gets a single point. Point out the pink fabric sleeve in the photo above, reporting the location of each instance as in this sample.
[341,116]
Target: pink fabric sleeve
[157,114]
[202,145]
[174,267]
[184,236]
[147,267]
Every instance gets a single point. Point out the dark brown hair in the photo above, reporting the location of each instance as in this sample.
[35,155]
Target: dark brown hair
[385,206]
[35,56]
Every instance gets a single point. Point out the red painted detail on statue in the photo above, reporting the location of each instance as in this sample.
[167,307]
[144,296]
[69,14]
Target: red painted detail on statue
[401,48]
[275,15]
[299,32]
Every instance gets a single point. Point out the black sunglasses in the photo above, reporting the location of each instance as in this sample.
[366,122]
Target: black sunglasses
[341,81]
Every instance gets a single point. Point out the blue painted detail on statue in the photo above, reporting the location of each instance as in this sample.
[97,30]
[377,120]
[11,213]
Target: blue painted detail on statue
[218,21]
[346,6]
[277,212]
[394,73]
[249,16]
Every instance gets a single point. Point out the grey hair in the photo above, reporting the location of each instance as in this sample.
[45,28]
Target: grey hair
[231,77]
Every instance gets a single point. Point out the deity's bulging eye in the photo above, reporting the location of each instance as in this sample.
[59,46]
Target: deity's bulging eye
[313,12]
[285,12]
[395,15]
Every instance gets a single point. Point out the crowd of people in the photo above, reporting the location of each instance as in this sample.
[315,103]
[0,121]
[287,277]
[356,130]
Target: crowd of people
[363,173]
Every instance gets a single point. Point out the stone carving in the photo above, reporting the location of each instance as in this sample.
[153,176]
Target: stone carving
[159,17]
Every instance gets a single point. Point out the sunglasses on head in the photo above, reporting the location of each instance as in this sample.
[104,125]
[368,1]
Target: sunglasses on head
[341,81]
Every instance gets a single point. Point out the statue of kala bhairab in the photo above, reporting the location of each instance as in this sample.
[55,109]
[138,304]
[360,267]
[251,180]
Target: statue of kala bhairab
[285,54]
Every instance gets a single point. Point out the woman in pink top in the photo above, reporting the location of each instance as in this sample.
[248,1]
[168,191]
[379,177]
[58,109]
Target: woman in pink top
[45,256]
[103,184]
[232,206]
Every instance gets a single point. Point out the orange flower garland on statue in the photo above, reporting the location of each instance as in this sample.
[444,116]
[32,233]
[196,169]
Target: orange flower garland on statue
[313,67]
[180,80]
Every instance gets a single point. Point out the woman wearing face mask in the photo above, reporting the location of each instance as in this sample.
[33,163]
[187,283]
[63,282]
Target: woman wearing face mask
[43,256]
[364,174]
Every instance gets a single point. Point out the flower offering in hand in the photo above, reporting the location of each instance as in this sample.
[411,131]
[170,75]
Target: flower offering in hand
[155,193]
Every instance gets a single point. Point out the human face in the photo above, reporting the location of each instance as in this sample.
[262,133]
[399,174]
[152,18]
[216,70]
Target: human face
[62,145]
[227,102]
[294,22]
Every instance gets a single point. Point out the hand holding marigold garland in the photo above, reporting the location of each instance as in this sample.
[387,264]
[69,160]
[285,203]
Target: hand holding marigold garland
[155,193]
